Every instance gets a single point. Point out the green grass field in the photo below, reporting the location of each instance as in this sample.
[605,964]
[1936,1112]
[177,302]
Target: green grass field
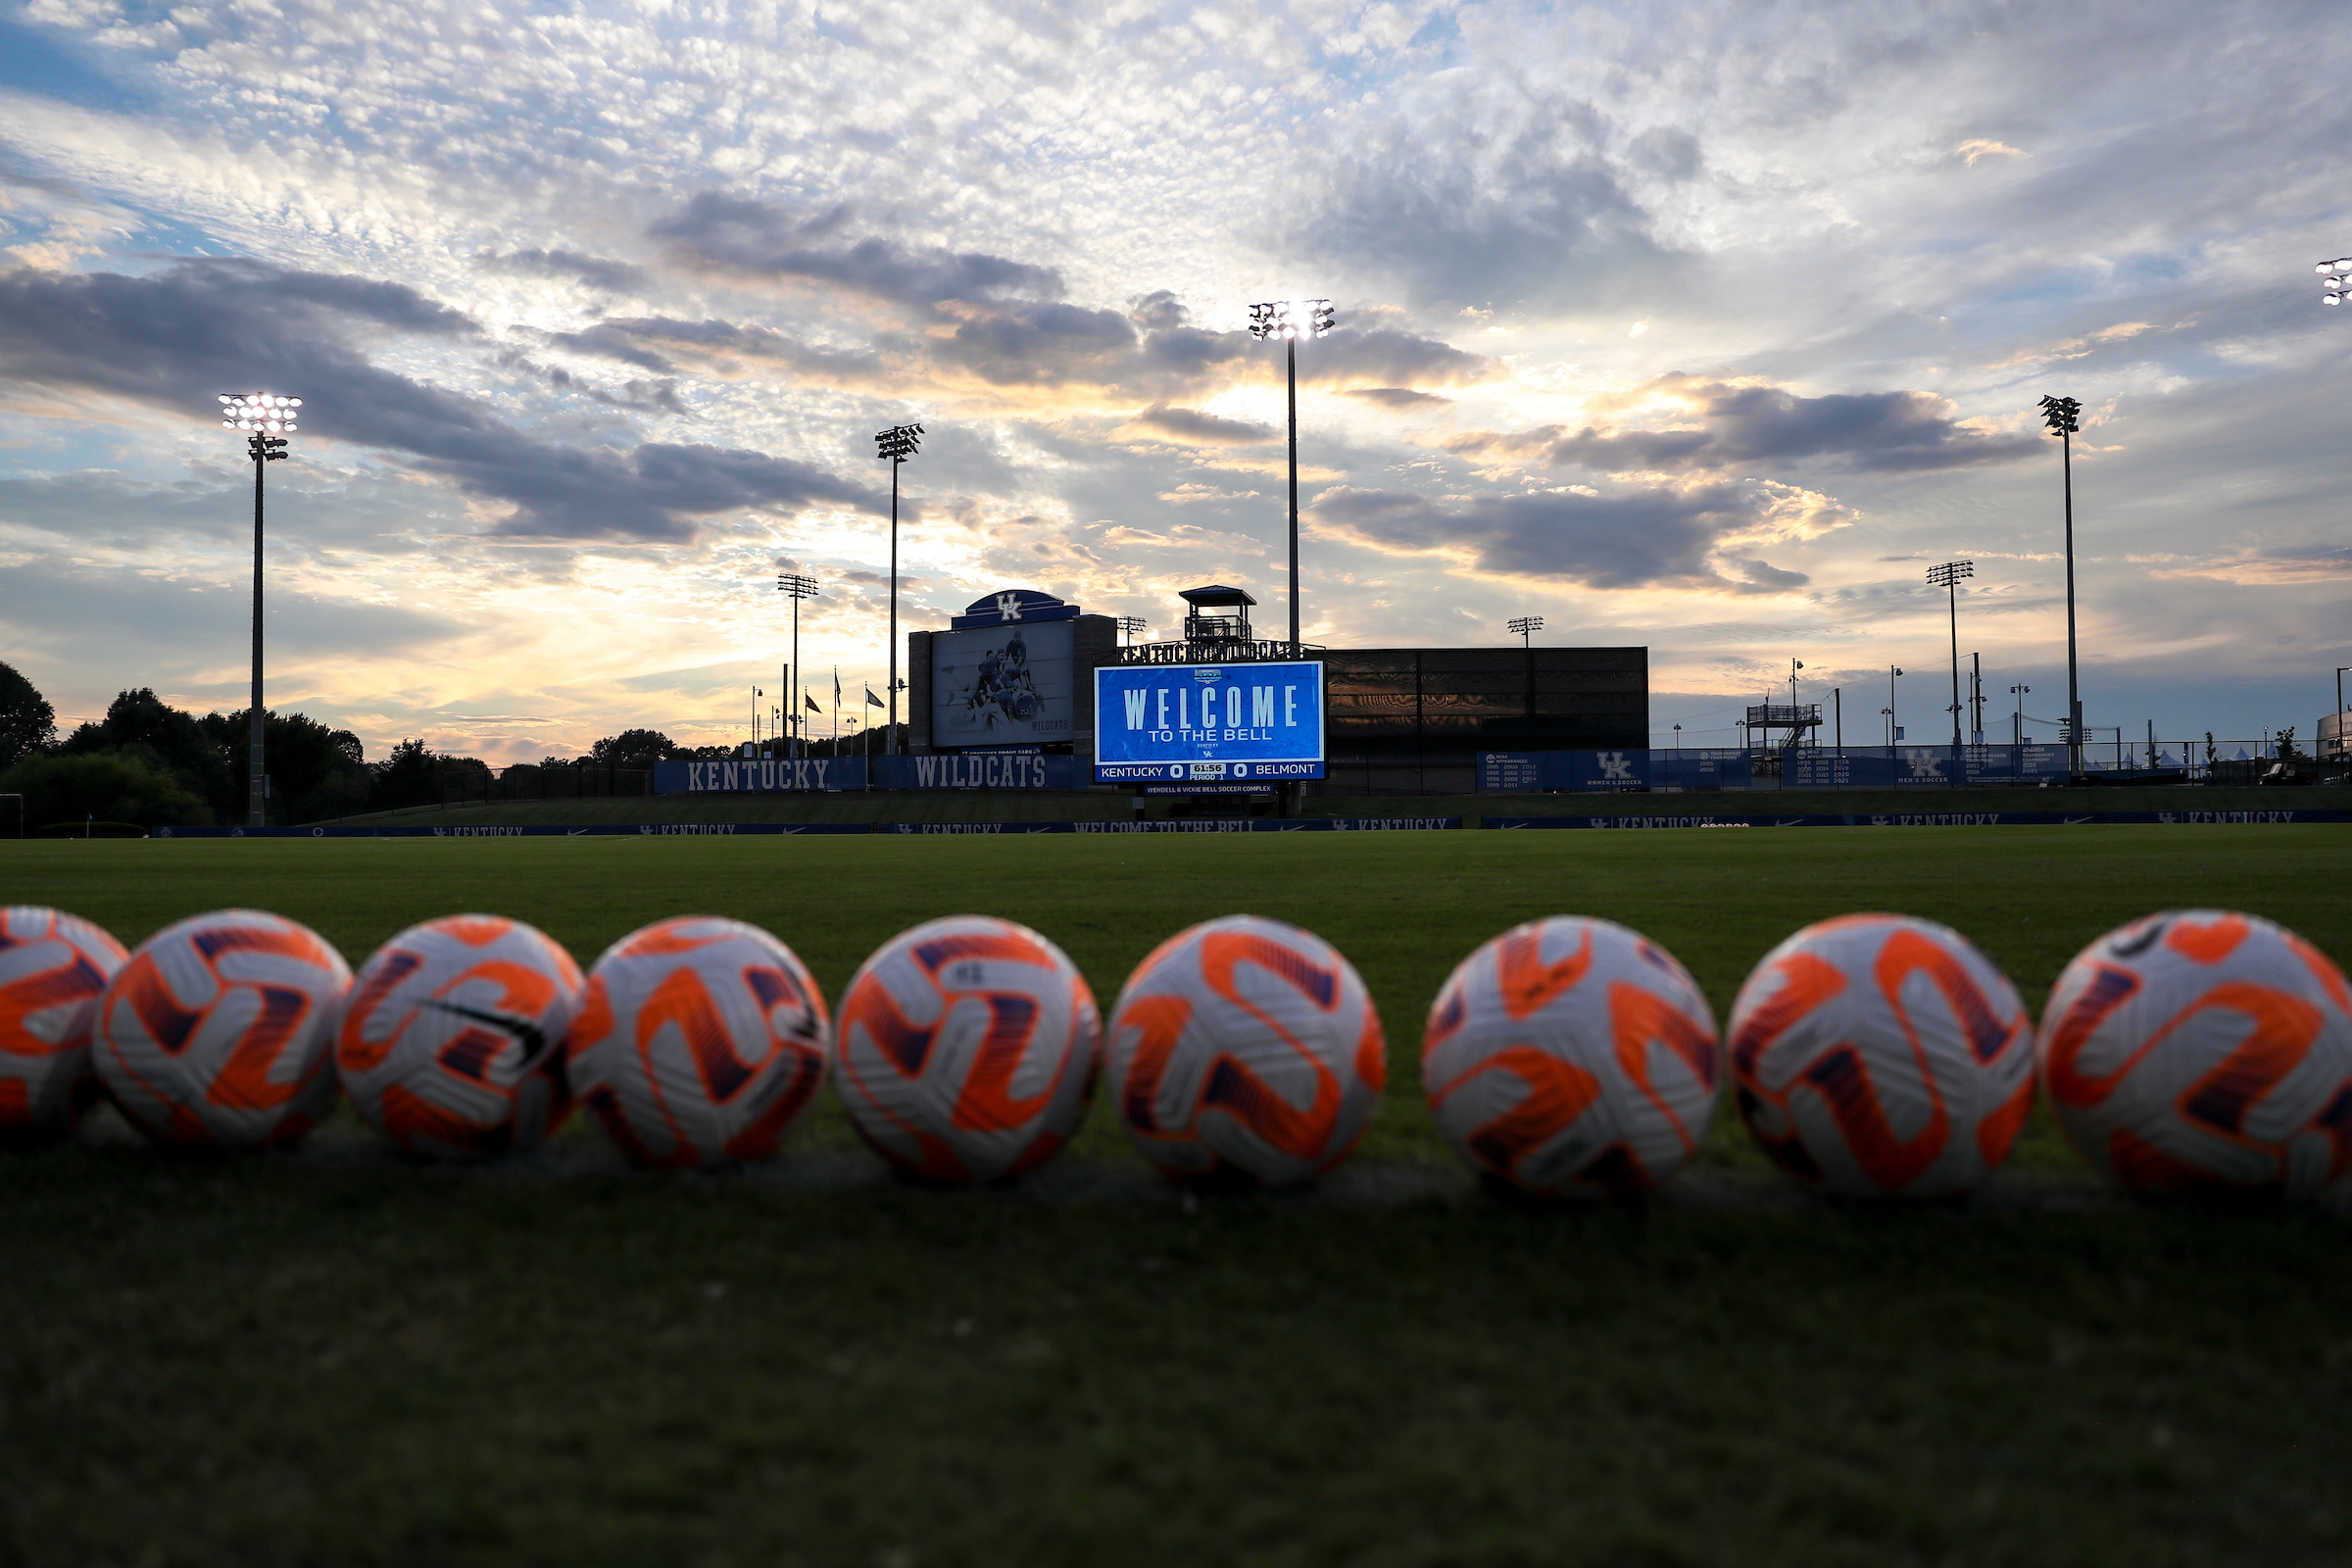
[336,1356]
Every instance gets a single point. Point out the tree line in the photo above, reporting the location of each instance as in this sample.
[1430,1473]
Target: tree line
[150,765]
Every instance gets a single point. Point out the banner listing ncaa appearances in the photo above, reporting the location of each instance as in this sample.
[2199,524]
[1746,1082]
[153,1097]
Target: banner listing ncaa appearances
[1205,724]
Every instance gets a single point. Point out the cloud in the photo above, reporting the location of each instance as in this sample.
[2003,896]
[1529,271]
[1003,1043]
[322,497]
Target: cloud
[720,349]
[1531,211]
[1194,427]
[743,238]
[174,340]
[1393,397]
[597,272]
[1653,536]
[1745,424]
[1976,147]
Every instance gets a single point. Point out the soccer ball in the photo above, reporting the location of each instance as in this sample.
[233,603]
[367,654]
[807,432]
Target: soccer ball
[1880,1054]
[966,1049]
[701,1040]
[2204,1052]
[1572,1056]
[454,1042]
[1245,1050]
[219,1030]
[52,968]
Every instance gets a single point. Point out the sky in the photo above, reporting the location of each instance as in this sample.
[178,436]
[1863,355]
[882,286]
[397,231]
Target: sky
[1708,327]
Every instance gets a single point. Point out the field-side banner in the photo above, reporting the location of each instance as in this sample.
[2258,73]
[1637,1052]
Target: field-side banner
[1583,772]
[761,774]
[1243,723]
[514,830]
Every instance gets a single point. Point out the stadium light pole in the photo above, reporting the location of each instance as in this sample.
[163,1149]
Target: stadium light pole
[2017,716]
[1948,577]
[799,588]
[1290,320]
[266,420]
[1132,627]
[2064,416]
[895,446]
[1525,626]
[2335,280]
[1891,673]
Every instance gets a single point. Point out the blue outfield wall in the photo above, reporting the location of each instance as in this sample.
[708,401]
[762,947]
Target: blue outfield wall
[520,830]
[1806,767]
[971,770]
[1587,773]
[538,831]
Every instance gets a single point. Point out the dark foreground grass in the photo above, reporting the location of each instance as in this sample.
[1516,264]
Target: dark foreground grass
[331,1358]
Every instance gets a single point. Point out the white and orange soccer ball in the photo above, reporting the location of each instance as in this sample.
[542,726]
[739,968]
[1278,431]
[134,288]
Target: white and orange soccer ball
[702,1042]
[1571,1056]
[53,966]
[1246,1049]
[1877,1055]
[453,1040]
[2204,1052]
[219,1030]
[966,1049]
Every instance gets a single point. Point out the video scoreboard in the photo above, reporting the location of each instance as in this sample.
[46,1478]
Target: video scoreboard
[1213,724]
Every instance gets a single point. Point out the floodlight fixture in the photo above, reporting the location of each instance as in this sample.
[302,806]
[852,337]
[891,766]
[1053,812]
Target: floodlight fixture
[2335,280]
[1131,627]
[1524,626]
[2064,416]
[895,446]
[1290,320]
[797,588]
[267,419]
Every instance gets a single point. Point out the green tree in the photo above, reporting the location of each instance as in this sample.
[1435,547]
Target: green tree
[633,748]
[139,723]
[112,786]
[415,775]
[27,724]
[314,772]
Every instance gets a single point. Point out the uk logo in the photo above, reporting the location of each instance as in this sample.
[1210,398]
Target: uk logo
[1613,766]
[1008,607]
[1925,764]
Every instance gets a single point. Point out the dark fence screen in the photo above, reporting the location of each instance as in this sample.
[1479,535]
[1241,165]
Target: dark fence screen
[1450,703]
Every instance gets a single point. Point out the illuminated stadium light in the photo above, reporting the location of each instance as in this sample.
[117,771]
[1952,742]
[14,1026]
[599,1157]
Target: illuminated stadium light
[895,446]
[263,412]
[2335,278]
[1948,577]
[267,419]
[1290,320]
[2064,416]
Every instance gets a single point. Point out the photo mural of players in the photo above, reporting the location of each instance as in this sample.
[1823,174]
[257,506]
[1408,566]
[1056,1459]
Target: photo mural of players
[1007,685]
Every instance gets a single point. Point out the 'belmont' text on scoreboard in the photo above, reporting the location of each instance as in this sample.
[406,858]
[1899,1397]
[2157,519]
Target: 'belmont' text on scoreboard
[1208,723]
